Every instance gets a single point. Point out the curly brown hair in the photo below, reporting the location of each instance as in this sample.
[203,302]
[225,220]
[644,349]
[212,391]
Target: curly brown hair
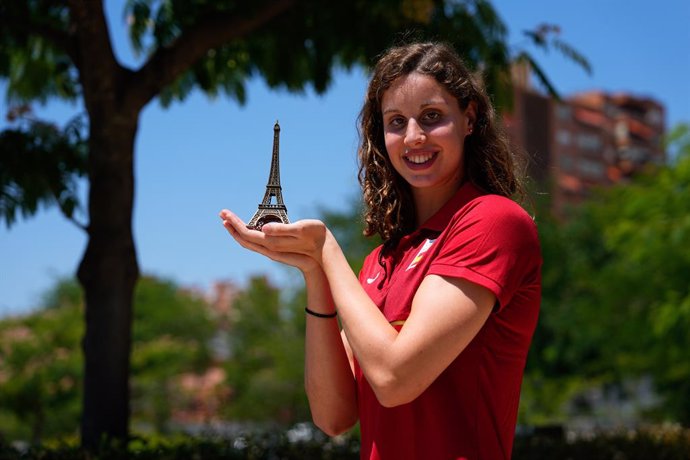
[489,162]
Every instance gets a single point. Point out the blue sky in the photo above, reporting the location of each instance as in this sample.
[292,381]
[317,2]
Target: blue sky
[200,156]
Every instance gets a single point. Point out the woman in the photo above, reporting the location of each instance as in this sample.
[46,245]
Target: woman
[435,331]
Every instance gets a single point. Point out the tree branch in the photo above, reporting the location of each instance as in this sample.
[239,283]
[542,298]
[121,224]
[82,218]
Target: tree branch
[99,71]
[79,225]
[168,63]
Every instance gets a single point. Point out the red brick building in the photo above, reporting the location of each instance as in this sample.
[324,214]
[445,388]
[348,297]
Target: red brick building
[586,140]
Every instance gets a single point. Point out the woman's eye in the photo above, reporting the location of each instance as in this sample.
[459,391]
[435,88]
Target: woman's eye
[396,122]
[431,117]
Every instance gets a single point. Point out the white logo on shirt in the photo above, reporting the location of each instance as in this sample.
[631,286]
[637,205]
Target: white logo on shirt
[371,280]
[425,247]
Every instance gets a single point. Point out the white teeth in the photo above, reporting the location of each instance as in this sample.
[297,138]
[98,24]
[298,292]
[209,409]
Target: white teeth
[419,159]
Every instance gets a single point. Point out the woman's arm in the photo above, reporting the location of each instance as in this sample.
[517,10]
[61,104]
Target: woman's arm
[446,315]
[328,376]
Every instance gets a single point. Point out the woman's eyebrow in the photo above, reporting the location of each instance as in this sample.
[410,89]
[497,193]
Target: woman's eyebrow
[433,102]
[421,106]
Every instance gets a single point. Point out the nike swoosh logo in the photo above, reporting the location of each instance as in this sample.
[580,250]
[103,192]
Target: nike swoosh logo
[371,280]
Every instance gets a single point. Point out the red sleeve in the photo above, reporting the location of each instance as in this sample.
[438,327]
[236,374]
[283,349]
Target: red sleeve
[492,242]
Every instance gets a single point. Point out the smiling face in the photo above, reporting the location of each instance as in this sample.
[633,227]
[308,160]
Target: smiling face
[424,130]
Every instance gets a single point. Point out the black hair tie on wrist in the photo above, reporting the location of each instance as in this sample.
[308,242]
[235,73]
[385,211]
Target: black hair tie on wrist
[321,315]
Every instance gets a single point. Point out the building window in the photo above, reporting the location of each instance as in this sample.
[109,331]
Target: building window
[611,111]
[588,141]
[566,162]
[591,169]
[654,117]
[563,137]
[563,112]
[635,154]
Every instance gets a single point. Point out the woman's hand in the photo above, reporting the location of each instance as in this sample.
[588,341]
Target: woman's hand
[298,245]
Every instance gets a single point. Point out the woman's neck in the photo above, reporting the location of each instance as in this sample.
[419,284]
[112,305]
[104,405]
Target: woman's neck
[428,202]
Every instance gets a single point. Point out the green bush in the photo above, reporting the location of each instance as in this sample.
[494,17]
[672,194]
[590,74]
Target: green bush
[658,444]
[272,445]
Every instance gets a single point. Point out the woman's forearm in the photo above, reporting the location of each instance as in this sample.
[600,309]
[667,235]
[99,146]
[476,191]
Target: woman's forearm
[329,381]
[368,332]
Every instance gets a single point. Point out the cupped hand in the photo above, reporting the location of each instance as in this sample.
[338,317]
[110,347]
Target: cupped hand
[303,237]
[292,244]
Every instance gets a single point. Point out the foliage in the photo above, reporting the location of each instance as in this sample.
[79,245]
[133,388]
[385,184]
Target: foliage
[547,37]
[317,45]
[658,443]
[41,364]
[677,142]
[171,334]
[40,164]
[265,369]
[40,369]
[616,301]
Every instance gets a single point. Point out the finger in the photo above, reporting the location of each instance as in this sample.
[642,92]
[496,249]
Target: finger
[298,229]
[274,236]
[276,229]
[241,234]
[282,257]
[257,242]
[239,226]
[225,213]
[232,217]
[229,216]
[245,243]
[231,230]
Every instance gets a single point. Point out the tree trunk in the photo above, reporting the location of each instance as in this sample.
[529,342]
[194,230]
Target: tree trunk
[108,273]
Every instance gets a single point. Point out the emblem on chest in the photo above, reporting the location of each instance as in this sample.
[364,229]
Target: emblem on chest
[420,254]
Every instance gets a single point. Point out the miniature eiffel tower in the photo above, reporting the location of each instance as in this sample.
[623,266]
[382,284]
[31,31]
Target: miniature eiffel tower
[269,211]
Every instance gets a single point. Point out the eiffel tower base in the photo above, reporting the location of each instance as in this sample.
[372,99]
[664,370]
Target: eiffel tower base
[268,214]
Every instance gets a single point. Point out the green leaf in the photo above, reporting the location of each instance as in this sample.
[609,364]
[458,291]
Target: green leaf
[40,165]
[573,55]
[539,73]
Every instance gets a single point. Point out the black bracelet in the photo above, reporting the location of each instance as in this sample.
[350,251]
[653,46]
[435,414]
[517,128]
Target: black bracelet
[321,315]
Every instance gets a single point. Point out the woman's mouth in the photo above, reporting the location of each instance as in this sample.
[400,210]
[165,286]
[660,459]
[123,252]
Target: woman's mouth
[419,160]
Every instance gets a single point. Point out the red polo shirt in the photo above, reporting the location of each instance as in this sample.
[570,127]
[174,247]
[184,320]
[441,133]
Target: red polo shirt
[470,410]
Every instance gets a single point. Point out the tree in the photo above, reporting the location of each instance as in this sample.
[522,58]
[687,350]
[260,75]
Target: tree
[616,301]
[62,49]
[266,356]
[170,338]
[41,367]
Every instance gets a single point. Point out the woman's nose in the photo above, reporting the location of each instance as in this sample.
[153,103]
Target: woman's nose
[415,134]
